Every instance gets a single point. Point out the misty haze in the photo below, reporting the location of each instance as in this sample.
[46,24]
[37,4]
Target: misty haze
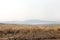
[29,19]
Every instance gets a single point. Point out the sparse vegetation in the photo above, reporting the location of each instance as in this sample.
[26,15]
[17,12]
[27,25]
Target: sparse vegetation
[29,32]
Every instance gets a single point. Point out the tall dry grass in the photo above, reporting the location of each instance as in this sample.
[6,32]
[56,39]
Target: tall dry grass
[30,32]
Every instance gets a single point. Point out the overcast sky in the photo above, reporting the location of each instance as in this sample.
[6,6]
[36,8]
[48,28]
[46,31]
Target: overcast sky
[11,10]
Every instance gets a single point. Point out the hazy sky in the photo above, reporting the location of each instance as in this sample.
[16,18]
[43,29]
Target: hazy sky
[29,9]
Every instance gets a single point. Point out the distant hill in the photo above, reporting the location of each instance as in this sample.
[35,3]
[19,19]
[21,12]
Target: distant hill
[39,22]
[31,22]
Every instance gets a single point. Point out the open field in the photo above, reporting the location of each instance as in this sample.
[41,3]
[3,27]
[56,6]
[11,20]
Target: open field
[29,32]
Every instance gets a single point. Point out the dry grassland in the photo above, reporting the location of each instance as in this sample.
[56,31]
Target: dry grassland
[29,32]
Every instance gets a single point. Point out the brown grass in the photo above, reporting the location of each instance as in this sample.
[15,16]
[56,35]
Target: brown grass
[29,32]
